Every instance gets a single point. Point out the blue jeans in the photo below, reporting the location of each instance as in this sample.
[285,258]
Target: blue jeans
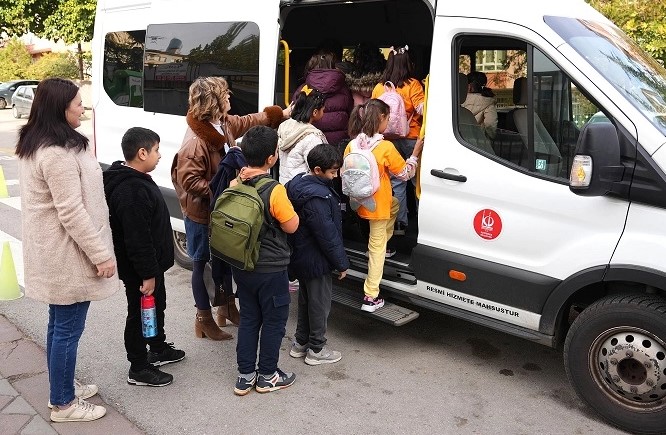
[405,147]
[264,306]
[66,324]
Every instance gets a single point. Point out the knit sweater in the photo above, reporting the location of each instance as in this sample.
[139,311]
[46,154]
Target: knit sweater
[65,224]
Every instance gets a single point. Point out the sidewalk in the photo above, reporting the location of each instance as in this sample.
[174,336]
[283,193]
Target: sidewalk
[24,393]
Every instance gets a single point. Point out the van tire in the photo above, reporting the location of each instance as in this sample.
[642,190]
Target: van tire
[615,358]
[180,251]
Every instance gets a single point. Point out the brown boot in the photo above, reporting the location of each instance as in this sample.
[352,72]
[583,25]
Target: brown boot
[204,326]
[228,311]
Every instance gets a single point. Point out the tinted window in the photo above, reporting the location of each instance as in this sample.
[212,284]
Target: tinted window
[176,54]
[536,134]
[123,67]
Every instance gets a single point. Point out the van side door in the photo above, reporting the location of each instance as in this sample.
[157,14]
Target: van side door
[497,207]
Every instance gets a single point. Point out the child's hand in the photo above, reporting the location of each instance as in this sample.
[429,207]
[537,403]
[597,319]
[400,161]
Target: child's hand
[342,274]
[148,286]
[286,113]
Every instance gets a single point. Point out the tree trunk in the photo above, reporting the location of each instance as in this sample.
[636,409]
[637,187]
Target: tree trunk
[80,56]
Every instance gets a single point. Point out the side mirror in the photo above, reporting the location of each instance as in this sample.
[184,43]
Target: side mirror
[597,164]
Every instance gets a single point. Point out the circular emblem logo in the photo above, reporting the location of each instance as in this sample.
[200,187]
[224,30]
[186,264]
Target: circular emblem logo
[487,224]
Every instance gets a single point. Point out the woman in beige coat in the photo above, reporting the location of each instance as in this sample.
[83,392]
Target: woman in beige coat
[481,102]
[67,246]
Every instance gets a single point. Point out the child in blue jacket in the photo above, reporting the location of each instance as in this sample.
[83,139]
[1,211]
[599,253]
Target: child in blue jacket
[317,250]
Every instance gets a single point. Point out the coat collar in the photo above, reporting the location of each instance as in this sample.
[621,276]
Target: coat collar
[206,132]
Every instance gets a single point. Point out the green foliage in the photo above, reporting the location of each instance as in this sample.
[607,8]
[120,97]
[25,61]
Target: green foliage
[73,21]
[55,65]
[18,17]
[15,60]
[642,20]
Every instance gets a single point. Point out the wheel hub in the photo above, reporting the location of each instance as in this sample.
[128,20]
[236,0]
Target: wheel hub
[634,366]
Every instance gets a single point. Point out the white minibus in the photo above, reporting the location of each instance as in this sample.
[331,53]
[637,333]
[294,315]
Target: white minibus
[549,230]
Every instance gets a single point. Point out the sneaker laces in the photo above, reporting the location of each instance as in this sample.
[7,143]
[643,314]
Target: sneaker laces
[85,406]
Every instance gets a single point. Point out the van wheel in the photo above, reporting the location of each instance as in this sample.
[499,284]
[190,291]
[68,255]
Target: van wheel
[3,103]
[16,113]
[180,250]
[615,358]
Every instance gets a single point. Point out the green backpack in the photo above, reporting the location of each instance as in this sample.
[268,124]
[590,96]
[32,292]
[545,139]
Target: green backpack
[237,222]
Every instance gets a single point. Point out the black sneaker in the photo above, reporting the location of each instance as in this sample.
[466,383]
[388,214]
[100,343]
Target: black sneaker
[150,376]
[276,381]
[243,386]
[169,355]
[400,229]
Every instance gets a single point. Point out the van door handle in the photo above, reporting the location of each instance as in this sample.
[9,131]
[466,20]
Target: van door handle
[441,174]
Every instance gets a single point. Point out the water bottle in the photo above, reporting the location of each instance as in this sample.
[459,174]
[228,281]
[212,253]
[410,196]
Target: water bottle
[148,316]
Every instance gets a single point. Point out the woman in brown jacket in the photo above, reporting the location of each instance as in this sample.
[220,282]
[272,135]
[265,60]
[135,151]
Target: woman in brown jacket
[211,131]
[67,246]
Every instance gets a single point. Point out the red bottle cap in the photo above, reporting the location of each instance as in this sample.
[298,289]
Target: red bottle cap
[147,301]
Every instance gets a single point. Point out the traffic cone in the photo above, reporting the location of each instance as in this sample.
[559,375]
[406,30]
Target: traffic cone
[4,193]
[9,286]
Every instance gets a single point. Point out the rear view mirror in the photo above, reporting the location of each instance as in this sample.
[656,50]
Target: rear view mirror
[597,164]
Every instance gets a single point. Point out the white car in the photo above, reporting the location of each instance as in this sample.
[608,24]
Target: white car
[22,100]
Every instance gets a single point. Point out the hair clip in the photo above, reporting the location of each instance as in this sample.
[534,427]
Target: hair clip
[393,50]
[402,50]
[306,90]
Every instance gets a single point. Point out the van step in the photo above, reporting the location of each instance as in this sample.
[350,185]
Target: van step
[390,313]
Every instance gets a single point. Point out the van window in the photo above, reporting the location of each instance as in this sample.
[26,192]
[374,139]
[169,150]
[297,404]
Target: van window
[123,67]
[176,54]
[558,108]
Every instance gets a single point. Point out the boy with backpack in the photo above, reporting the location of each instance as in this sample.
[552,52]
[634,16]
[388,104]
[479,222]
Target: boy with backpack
[318,249]
[141,229]
[263,291]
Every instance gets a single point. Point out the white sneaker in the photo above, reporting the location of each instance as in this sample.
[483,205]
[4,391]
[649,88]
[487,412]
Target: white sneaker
[324,356]
[297,350]
[82,391]
[80,410]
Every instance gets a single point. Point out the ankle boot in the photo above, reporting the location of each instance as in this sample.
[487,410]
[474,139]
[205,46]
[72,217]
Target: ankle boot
[228,311]
[204,326]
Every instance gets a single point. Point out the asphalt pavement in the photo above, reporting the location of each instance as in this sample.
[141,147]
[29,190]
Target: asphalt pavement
[436,374]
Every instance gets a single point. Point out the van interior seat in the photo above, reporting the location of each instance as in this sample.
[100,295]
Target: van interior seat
[545,147]
[469,128]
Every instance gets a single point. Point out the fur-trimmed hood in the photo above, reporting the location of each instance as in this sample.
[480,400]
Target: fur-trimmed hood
[363,84]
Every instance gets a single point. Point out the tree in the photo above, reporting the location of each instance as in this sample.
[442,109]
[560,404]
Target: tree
[54,65]
[18,17]
[642,20]
[14,60]
[73,21]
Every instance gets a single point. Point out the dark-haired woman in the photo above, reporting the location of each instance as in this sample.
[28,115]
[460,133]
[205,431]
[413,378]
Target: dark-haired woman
[67,245]
[400,71]
[297,135]
[481,102]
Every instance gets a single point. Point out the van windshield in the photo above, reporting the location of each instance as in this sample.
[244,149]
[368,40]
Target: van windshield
[640,78]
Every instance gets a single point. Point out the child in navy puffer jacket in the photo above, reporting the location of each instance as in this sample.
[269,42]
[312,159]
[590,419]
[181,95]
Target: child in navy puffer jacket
[317,250]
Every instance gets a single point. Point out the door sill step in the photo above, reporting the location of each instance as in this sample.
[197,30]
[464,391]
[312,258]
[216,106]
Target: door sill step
[390,313]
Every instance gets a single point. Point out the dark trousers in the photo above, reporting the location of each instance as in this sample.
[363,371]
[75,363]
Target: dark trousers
[264,309]
[314,306]
[135,343]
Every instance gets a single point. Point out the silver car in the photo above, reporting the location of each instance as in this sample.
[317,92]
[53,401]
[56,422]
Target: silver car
[22,100]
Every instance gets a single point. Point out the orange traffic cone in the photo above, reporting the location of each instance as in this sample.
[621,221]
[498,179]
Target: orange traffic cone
[9,286]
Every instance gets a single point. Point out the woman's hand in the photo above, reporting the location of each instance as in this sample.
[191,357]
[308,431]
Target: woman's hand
[286,113]
[106,269]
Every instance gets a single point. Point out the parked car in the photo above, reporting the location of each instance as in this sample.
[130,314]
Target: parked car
[7,89]
[22,100]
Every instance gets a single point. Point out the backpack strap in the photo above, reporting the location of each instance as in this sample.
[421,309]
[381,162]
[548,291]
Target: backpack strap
[264,185]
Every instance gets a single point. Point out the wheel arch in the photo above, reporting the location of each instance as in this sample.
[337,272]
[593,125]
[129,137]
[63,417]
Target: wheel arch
[591,284]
